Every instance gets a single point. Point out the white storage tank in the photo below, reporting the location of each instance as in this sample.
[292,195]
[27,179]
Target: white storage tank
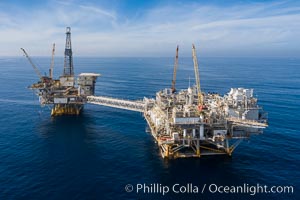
[175,135]
[201,132]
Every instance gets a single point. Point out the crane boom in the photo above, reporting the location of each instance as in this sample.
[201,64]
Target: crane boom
[33,65]
[52,61]
[175,71]
[196,68]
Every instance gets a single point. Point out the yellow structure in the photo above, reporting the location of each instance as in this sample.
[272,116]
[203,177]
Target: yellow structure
[66,109]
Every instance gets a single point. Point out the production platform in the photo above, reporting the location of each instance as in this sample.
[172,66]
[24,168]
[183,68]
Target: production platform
[190,123]
[184,123]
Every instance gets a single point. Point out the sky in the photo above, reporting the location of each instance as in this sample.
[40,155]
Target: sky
[136,28]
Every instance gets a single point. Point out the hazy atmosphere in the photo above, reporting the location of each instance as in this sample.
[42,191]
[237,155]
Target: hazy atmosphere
[151,28]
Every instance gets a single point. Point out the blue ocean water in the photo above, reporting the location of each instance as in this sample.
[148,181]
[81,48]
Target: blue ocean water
[95,155]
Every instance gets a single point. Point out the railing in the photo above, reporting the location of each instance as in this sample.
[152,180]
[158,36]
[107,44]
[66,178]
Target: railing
[249,123]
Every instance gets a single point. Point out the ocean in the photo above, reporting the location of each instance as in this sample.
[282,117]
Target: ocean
[95,155]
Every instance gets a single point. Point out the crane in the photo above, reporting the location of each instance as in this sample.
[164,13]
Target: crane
[37,71]
[196,68]
[174,72]
[52,62]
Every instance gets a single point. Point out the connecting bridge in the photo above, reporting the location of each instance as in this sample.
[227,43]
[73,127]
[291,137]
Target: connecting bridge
[138,106]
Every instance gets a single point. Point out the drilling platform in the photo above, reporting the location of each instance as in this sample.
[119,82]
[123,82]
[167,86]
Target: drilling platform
[66,97]
[191,123]
[184,123]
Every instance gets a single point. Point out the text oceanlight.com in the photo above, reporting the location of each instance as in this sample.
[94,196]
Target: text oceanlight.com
[190,188]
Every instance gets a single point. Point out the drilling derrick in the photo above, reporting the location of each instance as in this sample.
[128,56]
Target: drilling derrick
[68,63]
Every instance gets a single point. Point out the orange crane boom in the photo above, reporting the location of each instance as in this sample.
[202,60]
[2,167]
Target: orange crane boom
[37,71]
[196,68]
[52,61]
[175,71]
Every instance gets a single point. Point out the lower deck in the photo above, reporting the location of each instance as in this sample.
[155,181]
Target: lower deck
[185,147]
[66,109]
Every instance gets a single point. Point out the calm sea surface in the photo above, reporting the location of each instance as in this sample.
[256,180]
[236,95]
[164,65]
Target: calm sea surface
[95,155]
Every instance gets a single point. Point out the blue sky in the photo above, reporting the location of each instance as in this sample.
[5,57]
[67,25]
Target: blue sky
[151,28]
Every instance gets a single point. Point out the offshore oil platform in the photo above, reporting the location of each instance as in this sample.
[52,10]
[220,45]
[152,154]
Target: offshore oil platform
[62,93]
[190,123]
[184,123]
